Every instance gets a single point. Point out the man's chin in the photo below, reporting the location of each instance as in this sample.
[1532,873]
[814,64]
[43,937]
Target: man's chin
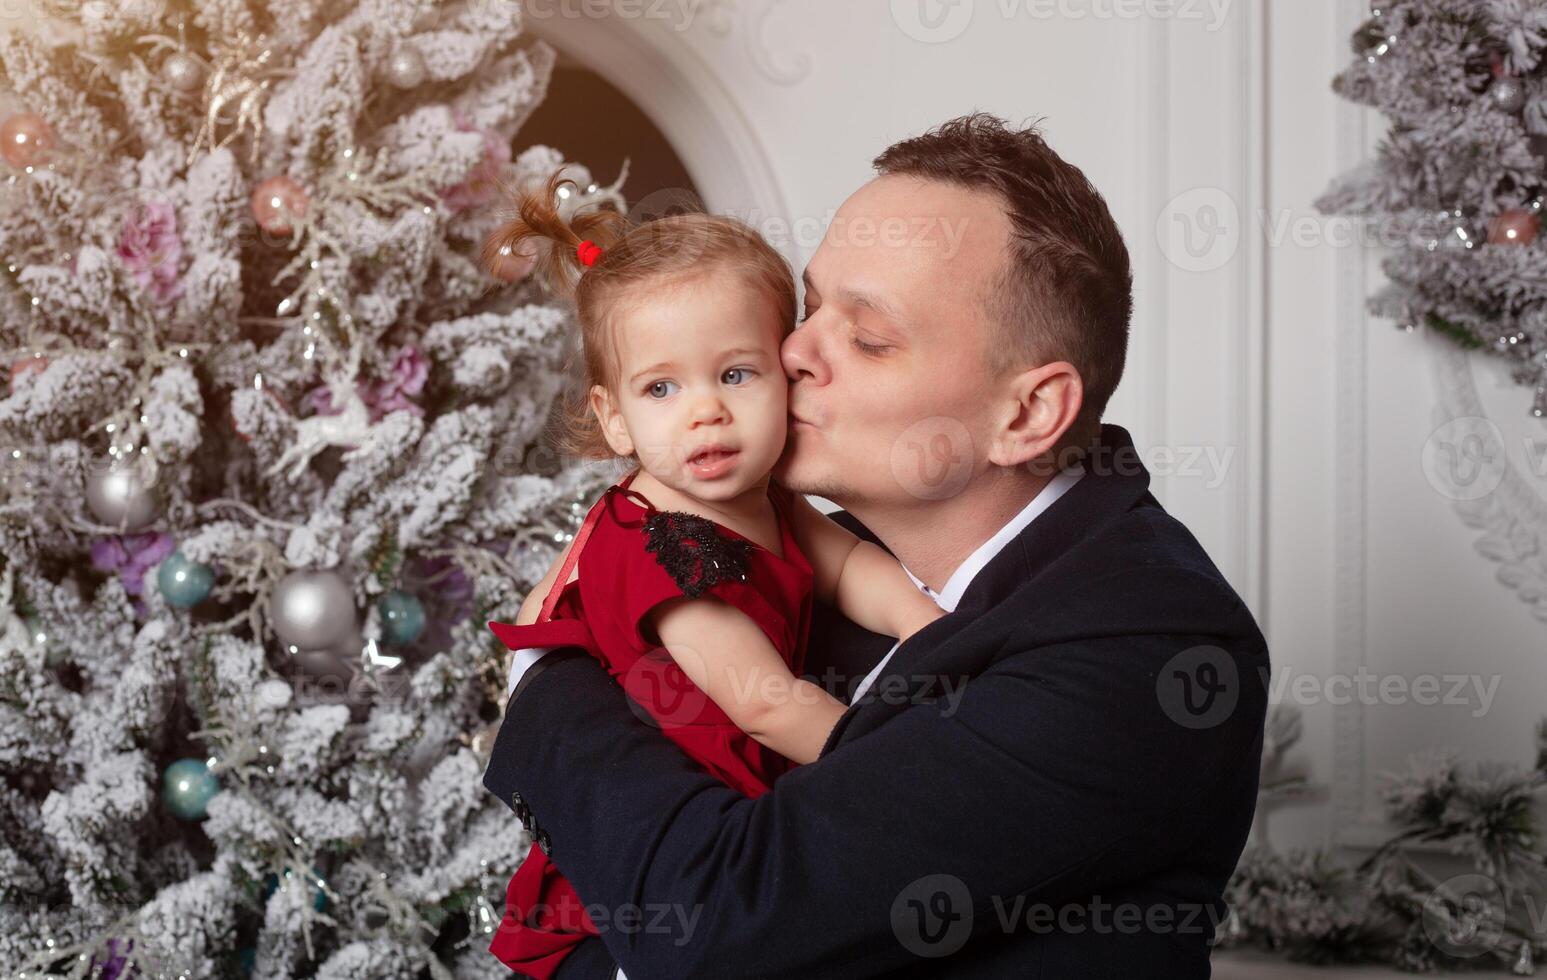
[802,474]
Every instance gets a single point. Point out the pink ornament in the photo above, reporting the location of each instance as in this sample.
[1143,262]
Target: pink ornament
[27,365]
[513,266]
[479,187]
[149,247]
[26,140]
[410,370]
[277,203]
[1496,64]
[1514,227]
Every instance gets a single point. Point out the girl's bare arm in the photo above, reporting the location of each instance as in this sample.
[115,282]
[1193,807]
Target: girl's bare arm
[731,660]
[862,580]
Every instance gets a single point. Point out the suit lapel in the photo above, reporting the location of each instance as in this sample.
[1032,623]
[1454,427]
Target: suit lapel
[961,643]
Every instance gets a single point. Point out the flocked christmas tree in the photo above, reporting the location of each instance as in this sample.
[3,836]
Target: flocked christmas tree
[1456,189]
[273,454]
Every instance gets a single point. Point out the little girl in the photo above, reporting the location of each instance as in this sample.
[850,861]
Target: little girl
[692,579]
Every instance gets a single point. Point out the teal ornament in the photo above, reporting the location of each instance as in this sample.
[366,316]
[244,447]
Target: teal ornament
[247,959]
[184,583]
[187,787]
[402,617]
[53,653]
[319,898]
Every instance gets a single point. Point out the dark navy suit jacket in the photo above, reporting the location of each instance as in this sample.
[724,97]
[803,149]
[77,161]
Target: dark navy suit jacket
[1055,780]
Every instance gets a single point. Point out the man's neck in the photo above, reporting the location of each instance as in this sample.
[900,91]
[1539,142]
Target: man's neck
[933,537]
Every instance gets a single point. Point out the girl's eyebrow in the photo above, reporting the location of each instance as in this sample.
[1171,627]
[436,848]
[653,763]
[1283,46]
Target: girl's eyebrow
[667,365]
[664,365]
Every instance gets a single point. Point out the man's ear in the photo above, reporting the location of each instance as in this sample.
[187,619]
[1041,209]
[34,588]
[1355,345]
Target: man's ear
[1041,405]
[613,428]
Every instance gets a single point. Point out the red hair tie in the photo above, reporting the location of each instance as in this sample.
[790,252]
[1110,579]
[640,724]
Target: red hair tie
[589,252]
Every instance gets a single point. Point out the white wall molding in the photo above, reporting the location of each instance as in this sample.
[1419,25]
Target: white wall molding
[1201,330]
[1351,823]
[653,62]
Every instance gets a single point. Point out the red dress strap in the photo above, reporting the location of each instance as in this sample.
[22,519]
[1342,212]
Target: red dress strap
[580,540]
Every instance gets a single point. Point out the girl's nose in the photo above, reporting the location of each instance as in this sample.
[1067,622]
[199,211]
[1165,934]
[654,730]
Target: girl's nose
[709,407]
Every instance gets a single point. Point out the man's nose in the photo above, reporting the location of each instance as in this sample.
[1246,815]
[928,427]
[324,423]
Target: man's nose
[801,357]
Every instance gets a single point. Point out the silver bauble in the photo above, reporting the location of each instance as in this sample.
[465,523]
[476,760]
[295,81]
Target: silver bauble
[182,71]
[1508,94]
[312,608]
[405,69]
[121,495]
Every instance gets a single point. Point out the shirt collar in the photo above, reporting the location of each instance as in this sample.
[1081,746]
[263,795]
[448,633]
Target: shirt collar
[955,586]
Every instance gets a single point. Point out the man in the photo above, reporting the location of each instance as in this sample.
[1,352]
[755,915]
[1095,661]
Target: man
[1054,779]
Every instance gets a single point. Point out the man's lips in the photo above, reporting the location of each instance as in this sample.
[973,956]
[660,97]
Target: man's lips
[797,420]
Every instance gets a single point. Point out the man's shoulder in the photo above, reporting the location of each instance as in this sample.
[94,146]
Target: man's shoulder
[1143,572]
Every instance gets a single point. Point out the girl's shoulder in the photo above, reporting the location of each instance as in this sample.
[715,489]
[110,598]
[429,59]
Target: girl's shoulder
[641,542]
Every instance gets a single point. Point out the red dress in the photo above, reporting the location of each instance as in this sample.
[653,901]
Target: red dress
[633,557]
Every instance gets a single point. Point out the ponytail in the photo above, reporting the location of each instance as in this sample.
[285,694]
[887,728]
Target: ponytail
[561,260]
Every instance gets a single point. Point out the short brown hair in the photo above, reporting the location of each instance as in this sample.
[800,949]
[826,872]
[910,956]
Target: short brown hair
[664,253]
[1066,292]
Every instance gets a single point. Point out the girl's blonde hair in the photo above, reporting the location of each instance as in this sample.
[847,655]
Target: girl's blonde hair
[665,252]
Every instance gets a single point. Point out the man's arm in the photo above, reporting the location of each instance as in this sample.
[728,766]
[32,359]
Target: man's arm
[1054,771]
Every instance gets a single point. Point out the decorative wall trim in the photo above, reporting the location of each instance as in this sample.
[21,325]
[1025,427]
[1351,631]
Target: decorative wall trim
[1205,114]
[754,14]
[1352,825]
[673,86]
[1512,519]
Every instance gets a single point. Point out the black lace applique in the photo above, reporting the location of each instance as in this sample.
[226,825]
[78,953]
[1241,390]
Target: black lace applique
[694,551]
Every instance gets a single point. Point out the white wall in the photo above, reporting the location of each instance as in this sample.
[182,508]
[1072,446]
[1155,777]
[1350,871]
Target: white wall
[1210,129]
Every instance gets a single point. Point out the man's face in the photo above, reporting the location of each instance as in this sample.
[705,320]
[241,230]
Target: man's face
[891,395]
[700,368]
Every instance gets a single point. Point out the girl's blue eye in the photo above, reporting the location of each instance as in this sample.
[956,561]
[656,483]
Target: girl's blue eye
[651,390]
[738,370]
